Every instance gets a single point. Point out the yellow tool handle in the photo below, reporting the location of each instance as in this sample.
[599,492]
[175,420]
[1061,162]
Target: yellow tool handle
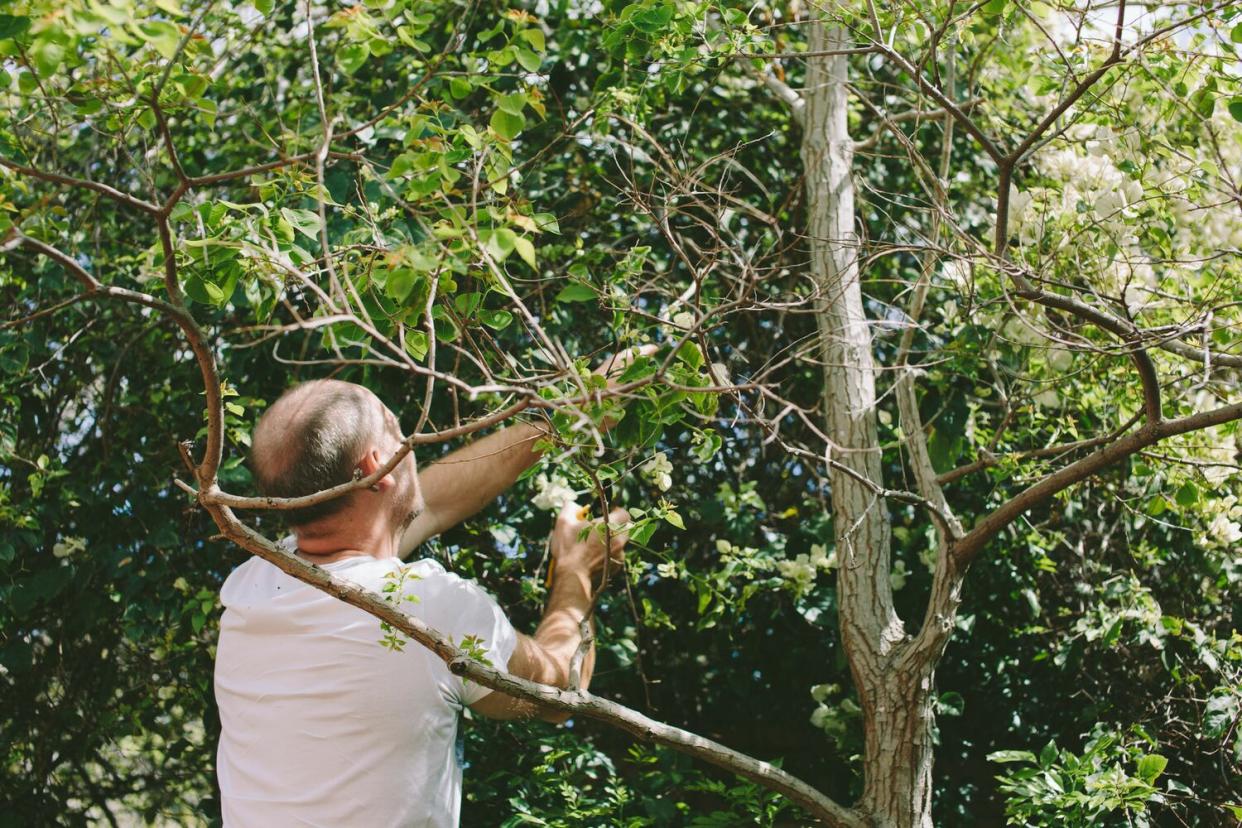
[582,514]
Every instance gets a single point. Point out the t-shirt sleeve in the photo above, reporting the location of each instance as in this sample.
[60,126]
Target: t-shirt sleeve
[460,608]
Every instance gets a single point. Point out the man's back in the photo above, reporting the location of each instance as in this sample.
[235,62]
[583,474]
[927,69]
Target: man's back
[322,725]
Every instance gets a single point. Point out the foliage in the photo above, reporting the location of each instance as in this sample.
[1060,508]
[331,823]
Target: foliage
[1061,788]
[509,190]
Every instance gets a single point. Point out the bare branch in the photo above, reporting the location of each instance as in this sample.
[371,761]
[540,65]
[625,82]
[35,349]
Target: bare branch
[56,178]
[784,92]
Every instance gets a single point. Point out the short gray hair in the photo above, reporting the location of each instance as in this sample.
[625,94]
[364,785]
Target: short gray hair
[315,446]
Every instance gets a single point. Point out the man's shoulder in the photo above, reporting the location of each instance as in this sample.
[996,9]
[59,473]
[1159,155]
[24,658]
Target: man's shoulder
[424,577]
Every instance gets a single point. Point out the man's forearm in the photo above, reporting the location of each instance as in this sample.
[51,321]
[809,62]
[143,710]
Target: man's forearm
[465,481]
[560,632]
[548,656]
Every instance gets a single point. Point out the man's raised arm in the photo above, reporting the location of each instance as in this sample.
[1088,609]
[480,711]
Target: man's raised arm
[468,479]
[547,656]
[465,481]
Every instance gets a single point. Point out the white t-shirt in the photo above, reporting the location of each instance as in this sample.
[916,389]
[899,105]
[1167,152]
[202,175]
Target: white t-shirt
[323,725]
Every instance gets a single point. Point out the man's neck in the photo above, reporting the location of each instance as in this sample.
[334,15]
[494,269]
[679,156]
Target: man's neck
[321,558]
[324,548]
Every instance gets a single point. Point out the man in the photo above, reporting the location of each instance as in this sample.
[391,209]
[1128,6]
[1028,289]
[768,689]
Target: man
[321,724]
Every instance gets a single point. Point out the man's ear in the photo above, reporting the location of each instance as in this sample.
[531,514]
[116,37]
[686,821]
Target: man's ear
[370,463]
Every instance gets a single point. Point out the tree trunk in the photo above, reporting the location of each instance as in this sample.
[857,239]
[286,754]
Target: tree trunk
[893,681]
[897,761]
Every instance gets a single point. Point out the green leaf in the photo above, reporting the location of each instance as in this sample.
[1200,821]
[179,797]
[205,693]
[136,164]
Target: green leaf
[11,26]
[675,519]
[528,60]
[264,7]
[1048,755]
[1235,109]
[500,243]
[204,292]
[513,104]
[576,292]
[47,55]
[652,21]
[496,319]
[1235,34]
[547,223]
[1006,756]
[162,36]
[507,124]
[416,344]
[351,56]
[192,85]
[1151,766]
[642,533]
[305,222]
[1187,495]
[14,358]
[535,38]
[526,250]
[1204,101]
[400,283]
[446,328]
[690,354]
[1219,713]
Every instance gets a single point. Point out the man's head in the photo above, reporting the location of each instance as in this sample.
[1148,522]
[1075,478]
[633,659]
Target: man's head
[323,433]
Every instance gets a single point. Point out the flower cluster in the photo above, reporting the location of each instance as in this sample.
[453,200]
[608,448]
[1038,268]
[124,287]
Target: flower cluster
[67,546]
[1225,529]
[552,493]
[802,570]
[658,471]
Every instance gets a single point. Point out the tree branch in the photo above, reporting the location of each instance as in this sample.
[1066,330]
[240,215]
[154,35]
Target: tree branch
[1149,434]
[56,178]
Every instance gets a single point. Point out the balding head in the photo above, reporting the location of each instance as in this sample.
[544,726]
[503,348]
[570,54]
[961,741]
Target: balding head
[312,439]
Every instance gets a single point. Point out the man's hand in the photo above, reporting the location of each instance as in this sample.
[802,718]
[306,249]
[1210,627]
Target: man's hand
[578,543]
[580,549]
[464,482]
[615,365]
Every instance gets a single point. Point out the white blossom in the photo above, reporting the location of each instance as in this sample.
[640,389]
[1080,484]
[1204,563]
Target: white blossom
[1059,360]
[67,546]
[1225,531]
[659,471]
[552,493]
[1048,398]
[957,272]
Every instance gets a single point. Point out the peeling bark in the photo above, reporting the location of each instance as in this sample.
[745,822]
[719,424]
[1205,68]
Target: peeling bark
[895,695]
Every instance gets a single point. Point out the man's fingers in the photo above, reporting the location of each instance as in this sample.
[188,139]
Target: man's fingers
[569,513]
[620,359]
[618,537]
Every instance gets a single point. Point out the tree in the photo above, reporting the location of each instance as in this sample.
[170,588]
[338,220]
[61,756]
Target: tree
[1025,234]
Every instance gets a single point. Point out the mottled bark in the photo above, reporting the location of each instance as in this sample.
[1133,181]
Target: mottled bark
[894,690]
